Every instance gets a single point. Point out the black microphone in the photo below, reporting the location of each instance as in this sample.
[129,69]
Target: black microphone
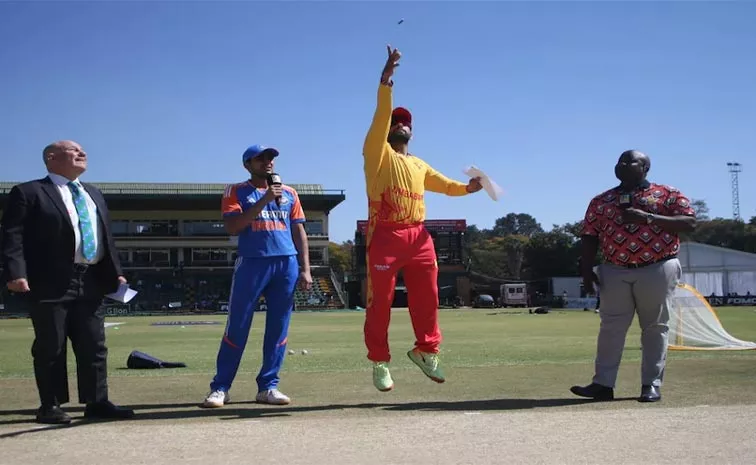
[275,180]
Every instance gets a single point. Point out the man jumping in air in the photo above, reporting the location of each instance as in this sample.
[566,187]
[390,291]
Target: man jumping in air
[269,221]
[396,238]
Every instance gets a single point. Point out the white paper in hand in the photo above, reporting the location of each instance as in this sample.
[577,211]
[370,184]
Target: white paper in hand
[124,294]
[493,189]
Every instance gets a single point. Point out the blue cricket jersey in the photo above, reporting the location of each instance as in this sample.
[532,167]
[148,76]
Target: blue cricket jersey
[269,235]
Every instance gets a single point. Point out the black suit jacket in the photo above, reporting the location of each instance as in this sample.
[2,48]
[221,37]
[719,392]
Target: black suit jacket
[38,241]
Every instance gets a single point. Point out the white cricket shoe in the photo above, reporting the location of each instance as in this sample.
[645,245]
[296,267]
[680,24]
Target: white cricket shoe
[216,399]
[273,397]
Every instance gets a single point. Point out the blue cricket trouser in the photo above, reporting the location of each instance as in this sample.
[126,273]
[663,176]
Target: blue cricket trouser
[275,278]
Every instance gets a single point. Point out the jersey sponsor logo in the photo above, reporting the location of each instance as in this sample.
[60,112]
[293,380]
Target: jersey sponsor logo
[273,215]
[400,191]
[270,220]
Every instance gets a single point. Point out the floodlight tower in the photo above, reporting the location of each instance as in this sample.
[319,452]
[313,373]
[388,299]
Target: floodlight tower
[735,168]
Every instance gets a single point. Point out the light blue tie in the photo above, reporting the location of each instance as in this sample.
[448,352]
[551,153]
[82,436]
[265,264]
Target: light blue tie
[88,247]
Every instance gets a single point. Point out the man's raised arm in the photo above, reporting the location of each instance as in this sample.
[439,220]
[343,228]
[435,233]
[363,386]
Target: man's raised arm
[376,144]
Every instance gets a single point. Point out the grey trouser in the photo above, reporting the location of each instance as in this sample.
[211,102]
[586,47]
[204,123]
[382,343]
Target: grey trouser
[625,291]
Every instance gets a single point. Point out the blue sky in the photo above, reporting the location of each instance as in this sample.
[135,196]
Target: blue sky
[542,96]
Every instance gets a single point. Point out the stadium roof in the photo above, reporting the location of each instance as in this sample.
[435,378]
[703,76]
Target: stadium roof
[159,196]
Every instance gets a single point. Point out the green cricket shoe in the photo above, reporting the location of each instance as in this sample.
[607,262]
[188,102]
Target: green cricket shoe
[429,363]
[382,377]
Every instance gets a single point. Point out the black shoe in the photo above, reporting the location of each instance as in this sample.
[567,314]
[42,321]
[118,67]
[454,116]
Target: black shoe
[107,410]
[650,394]
[594,391]
[52,415]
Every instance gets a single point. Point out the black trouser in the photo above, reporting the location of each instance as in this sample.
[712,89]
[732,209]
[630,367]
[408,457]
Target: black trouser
[73,316]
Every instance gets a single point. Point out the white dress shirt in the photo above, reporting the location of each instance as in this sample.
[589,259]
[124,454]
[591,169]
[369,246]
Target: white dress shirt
[65,193]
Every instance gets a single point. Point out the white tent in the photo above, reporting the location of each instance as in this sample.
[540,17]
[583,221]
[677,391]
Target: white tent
[717,271]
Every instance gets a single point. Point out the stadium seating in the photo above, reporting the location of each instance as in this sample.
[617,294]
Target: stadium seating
[209,291]
[322,295]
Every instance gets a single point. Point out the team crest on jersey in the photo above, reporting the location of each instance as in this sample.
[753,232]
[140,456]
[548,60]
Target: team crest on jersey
[284,200]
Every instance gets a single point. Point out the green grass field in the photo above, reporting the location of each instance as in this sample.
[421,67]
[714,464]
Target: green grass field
[494,359]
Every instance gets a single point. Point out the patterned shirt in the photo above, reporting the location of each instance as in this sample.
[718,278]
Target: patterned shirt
[634,244]
[269,235]
[396,183]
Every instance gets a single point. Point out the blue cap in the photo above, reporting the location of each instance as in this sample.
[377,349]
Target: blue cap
[257,150]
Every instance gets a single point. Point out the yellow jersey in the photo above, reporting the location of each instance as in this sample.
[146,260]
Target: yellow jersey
[396,183]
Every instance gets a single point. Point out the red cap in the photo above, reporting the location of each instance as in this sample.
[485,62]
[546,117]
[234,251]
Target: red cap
[401,115]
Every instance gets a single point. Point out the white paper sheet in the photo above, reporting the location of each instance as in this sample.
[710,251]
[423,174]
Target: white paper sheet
[493,189]
[124,294]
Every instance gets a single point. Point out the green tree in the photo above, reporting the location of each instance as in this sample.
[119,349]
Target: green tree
[513,246]
[488,258]
[701,209]
[518,248]
[473,235]
[520,224]
[723,232]
[340,257]
[574,229]
[553,253]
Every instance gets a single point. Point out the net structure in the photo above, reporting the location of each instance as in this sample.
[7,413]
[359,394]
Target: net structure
[694,325]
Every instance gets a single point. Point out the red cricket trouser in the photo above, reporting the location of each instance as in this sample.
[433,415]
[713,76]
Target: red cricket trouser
[408,248]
